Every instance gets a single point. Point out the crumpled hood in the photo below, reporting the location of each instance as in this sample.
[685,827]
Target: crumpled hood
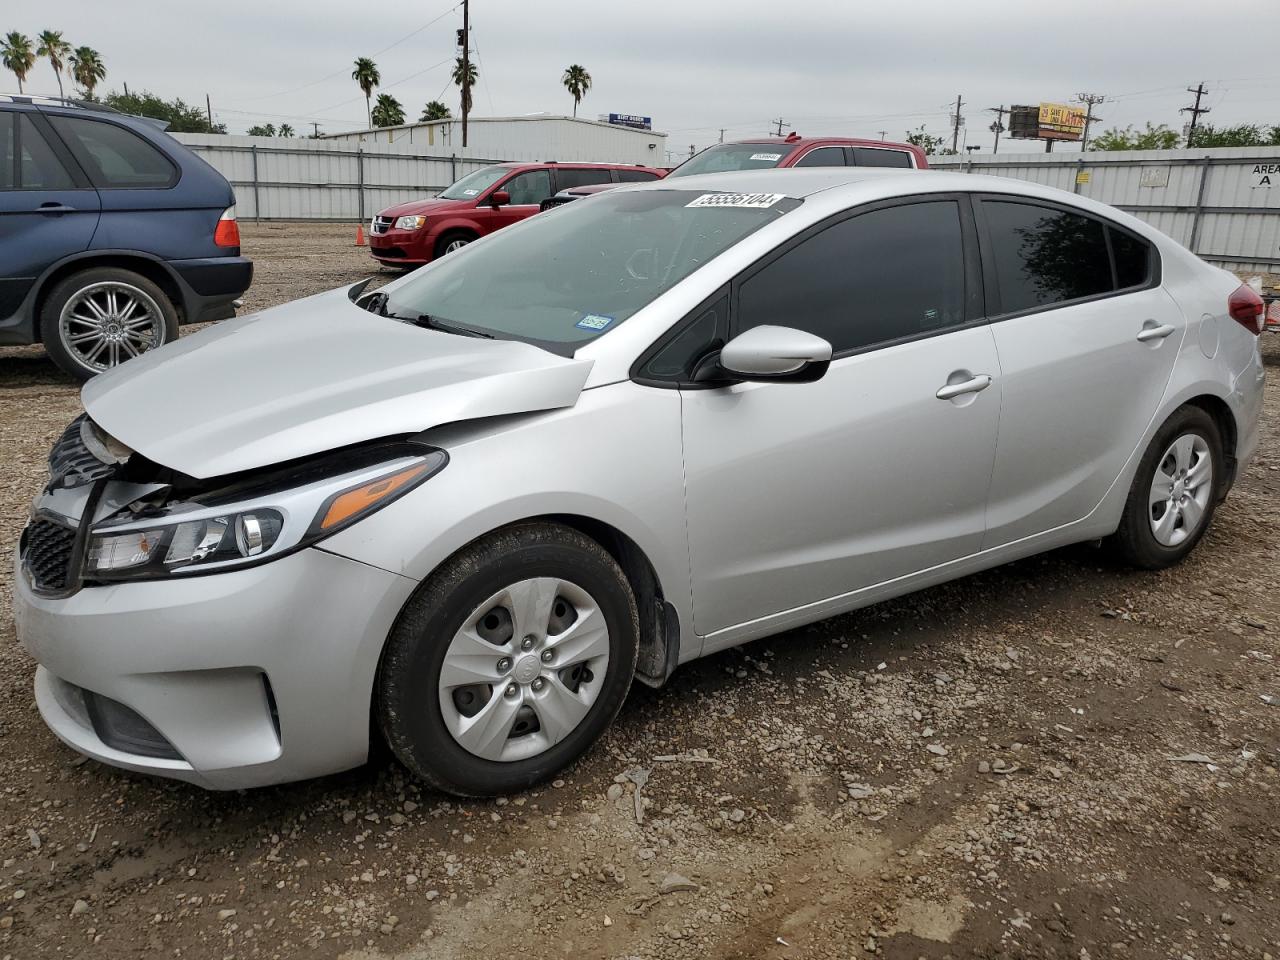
[311,376]
[424,207]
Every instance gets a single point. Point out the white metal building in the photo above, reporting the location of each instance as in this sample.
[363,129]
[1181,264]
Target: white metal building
[537,137]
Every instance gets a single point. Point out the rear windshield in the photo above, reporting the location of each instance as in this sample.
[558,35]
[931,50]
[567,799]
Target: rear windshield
[733,156]
[474,184]
[577,271]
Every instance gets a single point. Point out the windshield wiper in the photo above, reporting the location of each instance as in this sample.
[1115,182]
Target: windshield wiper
[435,323]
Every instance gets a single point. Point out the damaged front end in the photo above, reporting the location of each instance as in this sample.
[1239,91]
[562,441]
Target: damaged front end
[109,514]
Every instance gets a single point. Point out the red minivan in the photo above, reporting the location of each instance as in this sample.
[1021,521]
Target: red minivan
[798,151]
[417,232]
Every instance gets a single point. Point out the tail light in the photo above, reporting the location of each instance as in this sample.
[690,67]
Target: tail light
[1247,309]
[227,233]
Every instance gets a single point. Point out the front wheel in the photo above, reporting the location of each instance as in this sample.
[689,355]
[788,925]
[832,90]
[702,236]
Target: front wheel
[1174,492]
[509,662]
[451,243]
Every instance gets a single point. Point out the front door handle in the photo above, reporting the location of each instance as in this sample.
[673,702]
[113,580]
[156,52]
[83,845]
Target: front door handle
[973,385]
[1154,333]
[53,206]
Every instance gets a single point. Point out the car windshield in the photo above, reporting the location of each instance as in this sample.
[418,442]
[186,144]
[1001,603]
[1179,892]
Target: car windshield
[474,184]
[733,156]
[567,276]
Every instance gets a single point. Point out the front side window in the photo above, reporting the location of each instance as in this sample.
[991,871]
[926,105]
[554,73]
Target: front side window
[823,157]
[567,178]
[886,275]
[733,156]
[877,157]
[532,186]
[114,157]
[38,166]
[636,176]
[474,184]
[1044,256]
[561,281]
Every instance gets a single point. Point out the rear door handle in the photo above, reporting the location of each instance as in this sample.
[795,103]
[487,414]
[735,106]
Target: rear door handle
[1154,333]
[973,385]
[53,206]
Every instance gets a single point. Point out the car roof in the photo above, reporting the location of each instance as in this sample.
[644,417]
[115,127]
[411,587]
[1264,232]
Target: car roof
[810,141]
[797,182]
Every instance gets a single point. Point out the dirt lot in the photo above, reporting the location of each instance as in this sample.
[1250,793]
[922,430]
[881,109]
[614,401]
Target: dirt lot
[983,769]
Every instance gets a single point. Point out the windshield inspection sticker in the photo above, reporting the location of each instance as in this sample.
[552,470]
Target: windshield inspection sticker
[594,321]
[470,193]
[755,200]
[773,157]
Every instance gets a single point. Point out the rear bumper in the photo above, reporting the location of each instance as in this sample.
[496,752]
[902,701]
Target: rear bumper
[210,286]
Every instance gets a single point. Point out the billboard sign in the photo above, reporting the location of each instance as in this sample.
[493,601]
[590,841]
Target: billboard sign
[1047,121]
[631,120]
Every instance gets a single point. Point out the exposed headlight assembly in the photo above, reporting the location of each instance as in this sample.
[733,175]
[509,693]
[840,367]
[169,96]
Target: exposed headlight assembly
[204,536]
[410,223]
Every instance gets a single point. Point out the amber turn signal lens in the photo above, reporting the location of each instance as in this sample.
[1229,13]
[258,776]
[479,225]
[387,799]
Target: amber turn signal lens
[365,497]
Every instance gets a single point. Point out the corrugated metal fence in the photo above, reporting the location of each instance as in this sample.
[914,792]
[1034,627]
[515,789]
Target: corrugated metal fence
[277,179]
[1223,204]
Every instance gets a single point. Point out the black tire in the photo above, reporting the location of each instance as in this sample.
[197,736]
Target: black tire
[453,237]
[1134,542]
[407,699]
[64,354]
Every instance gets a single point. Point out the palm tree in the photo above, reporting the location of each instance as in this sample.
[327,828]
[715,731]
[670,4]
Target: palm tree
[387,112]
[286,130]
[435,110]
[366,77]
[88,69]
[52,45]
[469,77]
[18,55]
[577,81]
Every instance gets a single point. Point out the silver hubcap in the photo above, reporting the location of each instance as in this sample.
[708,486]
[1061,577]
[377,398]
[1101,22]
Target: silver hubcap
[455,245]
[524,669]
[1180,490]
[108,323]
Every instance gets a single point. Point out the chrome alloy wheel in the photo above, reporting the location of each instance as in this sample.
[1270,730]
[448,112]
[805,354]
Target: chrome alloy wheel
[455,245]
[524,669]
[1180,490]
[108,323]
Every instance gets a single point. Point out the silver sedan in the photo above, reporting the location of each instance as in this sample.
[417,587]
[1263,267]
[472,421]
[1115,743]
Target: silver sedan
[475,505]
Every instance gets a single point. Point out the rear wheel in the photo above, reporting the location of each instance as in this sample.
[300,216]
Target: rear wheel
[509,662]
[99,318]
[1174,492]
[452,242]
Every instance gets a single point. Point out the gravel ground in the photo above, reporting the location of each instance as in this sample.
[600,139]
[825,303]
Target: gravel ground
[982,769]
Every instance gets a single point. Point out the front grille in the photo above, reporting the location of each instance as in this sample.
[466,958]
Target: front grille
[389,252]
[46,553]
[71,462]
[382,224]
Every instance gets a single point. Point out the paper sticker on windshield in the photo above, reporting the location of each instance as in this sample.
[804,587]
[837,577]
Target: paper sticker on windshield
[754,200]
[470,193]
[771,157]
[594,321]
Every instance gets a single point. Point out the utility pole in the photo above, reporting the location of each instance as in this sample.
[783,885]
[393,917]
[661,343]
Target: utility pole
[781,125]
[466,67]
[208,112]
[997,125]
[315,130]
[883,133]
[956,122]
[1090,100]
[722,134]
[1195,111]
[691,149]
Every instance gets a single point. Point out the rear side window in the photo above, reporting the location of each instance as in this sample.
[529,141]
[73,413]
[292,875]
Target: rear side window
[567,178]
[38,166]
[8,164]
[875,157]
[635,176]
[886,275]
[115,157]
[1133,259]
[823,157]
[1044,256]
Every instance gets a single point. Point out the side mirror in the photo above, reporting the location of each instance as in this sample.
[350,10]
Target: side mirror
[770,353]
[499,198]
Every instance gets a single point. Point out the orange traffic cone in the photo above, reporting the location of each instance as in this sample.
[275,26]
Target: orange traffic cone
[360,235]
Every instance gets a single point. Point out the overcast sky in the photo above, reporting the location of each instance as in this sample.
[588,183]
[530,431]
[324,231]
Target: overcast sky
[695,66]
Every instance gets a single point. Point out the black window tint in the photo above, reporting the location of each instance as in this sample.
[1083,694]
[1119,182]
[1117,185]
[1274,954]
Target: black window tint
[115,158]
[884,275]
[1045,256]
[823,157]
[38,166]
[636,176]
[532,186]
[8,168]
[1133,259]
[875,157]
[677,360]
[581,177]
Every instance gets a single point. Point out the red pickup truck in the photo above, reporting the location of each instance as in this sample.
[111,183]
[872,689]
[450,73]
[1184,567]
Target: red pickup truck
[417,232]
[798,151]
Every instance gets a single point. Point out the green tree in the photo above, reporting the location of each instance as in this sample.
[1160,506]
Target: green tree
[181,117]
[387,112]
[466,80]
[577,81]
[262,130]
[435,110]
[1241,135]
[367,77]
[1152,138]
[286,131]
[18,55]
[52,46]
[87,69]
[926,141]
